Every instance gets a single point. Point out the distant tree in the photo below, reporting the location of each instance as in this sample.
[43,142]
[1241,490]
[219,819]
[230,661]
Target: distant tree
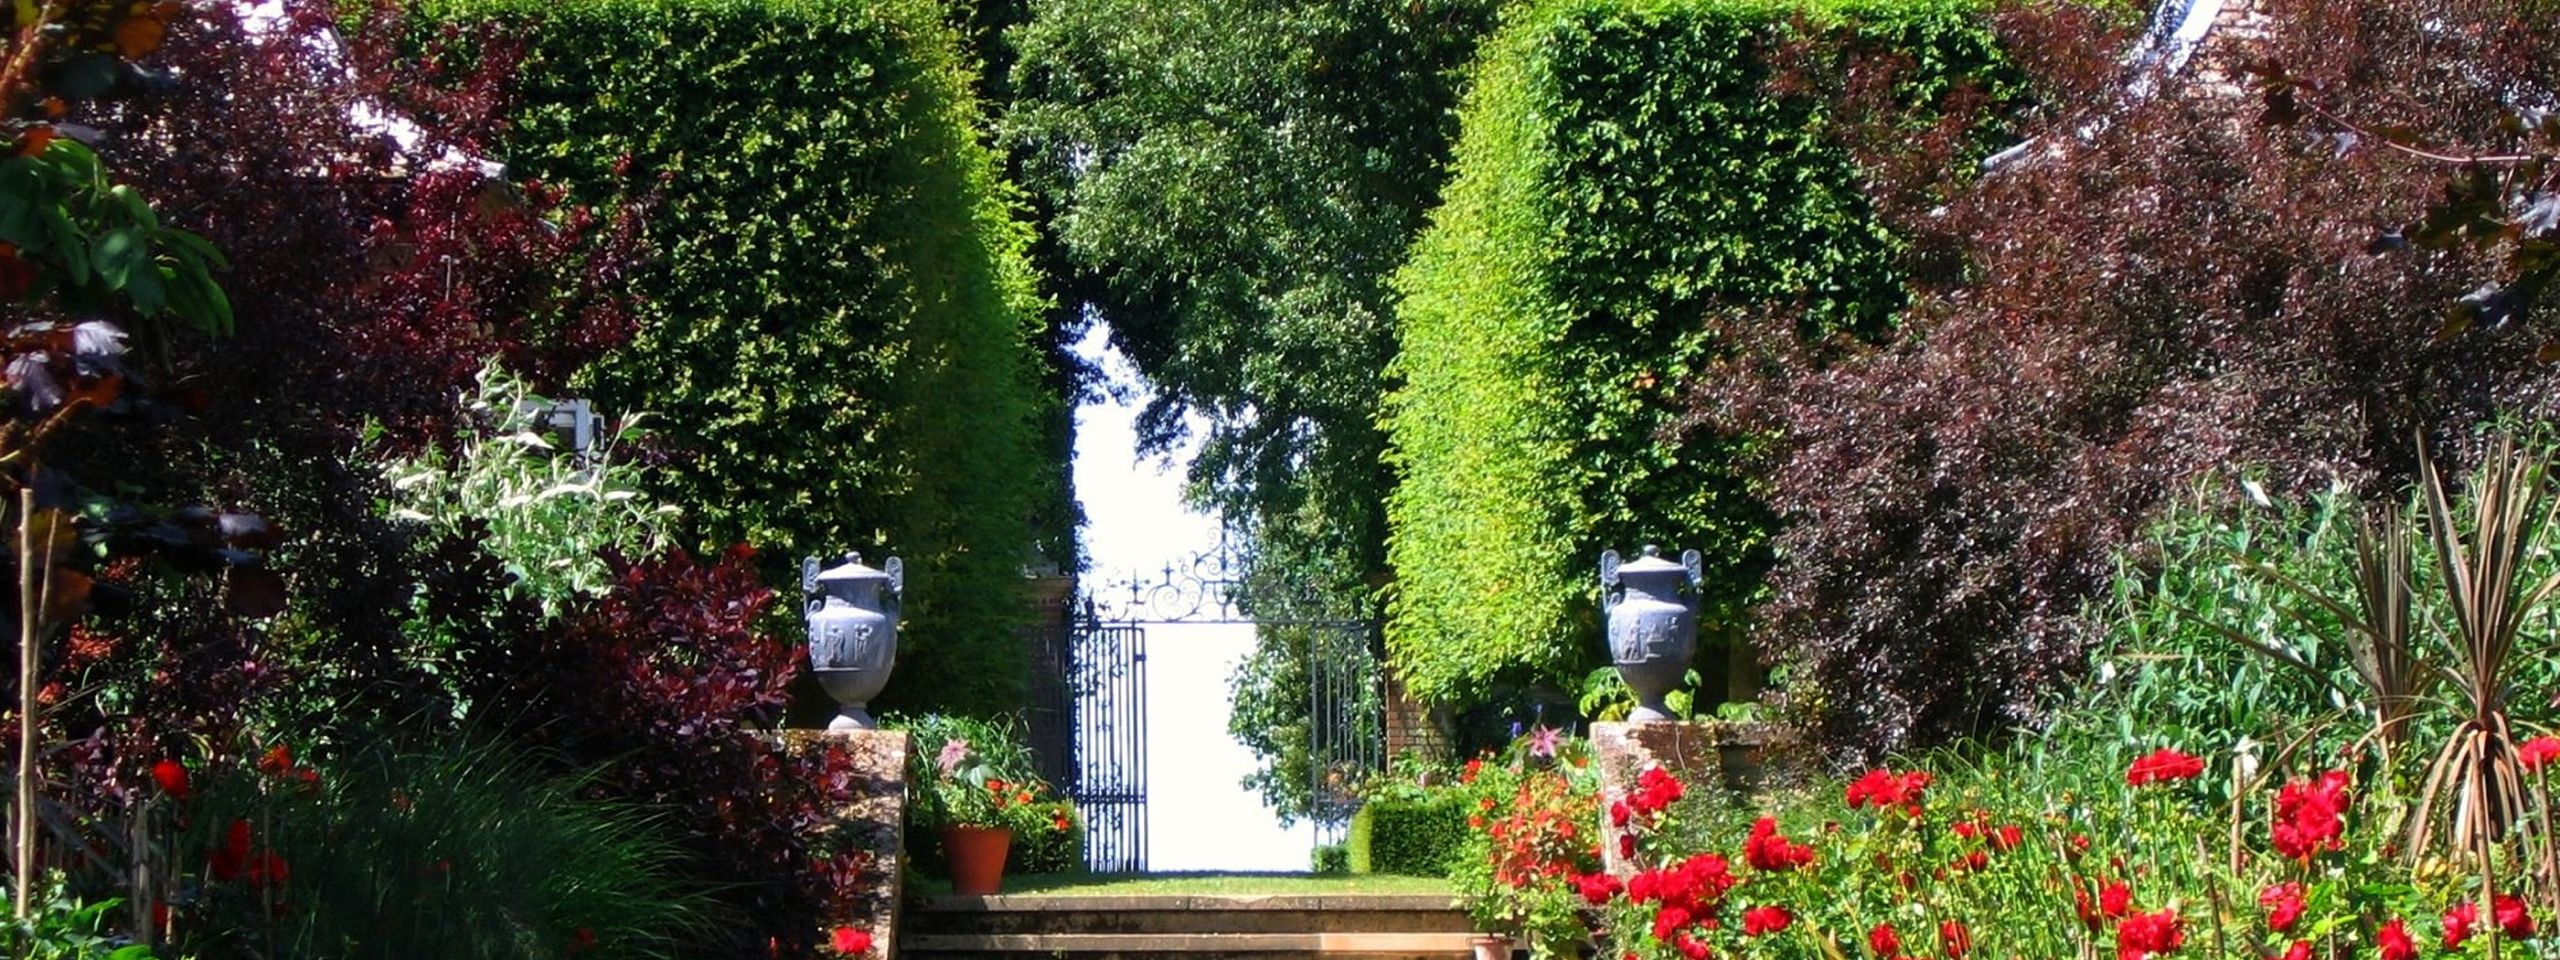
[1231,184]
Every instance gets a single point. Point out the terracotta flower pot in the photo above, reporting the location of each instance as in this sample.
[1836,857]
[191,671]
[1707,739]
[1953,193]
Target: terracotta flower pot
[977,858]
[1491,946]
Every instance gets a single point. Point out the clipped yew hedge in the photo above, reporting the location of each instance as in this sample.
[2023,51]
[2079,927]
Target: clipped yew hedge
[1625,170]
[838,338]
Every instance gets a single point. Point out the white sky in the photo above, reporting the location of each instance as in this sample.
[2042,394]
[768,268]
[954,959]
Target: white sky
[1200,816]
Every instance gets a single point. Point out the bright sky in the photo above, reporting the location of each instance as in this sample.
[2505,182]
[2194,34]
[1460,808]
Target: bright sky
[1200,817]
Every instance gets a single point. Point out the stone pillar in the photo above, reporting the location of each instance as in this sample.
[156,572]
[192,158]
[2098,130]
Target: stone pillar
[1707,755]
[875,819]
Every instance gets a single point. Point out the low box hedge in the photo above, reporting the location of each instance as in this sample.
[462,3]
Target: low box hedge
[1415,836]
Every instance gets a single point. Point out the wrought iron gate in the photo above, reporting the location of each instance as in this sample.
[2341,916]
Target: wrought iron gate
[1107,672]
[1106,681]
[1346,722]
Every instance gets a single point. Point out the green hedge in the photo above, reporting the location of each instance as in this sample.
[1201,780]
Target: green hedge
[1413,836]
[838,332]
[1623,173]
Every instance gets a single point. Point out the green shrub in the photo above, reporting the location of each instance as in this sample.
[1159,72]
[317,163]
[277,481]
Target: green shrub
[460,850]
[546,514]
[1331,858]
[1414,836]
[838,327]
[1624,171]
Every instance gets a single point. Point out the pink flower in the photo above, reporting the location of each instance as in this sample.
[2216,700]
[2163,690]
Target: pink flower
[2162,766]
[955,752]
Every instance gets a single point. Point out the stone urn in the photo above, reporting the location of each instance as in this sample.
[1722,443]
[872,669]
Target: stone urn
[853,632]
[1652,606]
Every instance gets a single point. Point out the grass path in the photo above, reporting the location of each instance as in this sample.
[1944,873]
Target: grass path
[1101,885]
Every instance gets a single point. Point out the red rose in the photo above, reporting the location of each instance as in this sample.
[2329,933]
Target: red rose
[171,776]
[1955,939]
[1768,919]
[2301,950]
[2145,934]
[2539,751]
[2283,903]
[1765,849]
[278,761]
[2309,816]
[2115,899]
[849,941]
[2458,923]
[1884,941]
[2162,766]
[2513,919]
[2395,942]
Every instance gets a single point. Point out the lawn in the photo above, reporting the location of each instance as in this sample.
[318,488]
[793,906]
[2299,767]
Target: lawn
[1089,884]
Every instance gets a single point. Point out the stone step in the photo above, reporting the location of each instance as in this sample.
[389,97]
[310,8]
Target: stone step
[1193,946]
[1310,914]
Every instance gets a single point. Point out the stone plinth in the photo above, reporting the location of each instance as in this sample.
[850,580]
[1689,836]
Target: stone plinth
[1705,755]
[875,820]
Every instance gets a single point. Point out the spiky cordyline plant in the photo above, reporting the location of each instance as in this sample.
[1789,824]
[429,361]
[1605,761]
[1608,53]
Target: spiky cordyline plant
[2478,770]
[2379,632]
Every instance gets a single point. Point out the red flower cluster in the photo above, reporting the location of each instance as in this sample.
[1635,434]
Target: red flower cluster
[2310,816]
[1768,919]
[2144,935]
[1689,893]
[1655,791]
[1954,939]
[2508,911]
[171,776]
[2283,903]
[2163,766]
[1597,888]
[2539,751]
[1885,789]
[1766,849]
[849,941]
[2394,938]
[277,762]
[2113,902]
[236,859]
[1885,942]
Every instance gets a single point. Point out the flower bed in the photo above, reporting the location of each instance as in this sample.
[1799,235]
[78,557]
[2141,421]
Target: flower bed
[2177,856]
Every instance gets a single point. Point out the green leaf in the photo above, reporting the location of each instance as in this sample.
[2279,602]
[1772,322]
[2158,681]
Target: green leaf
[115,255]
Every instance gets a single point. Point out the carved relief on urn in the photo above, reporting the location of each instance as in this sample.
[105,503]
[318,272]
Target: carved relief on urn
[1652,606]
[853,632]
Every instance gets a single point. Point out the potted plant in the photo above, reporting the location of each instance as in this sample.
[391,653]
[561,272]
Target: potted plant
[981,813]
[1528,840]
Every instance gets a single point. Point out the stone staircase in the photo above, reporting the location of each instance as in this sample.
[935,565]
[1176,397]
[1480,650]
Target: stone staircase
[1186,927]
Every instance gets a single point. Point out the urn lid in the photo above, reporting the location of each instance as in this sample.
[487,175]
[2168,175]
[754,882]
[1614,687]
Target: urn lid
[850,569]
[1650,562]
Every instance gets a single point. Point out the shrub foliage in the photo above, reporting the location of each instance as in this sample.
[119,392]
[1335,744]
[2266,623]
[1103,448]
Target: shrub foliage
[838,323]
[2161,286]
[1624,169]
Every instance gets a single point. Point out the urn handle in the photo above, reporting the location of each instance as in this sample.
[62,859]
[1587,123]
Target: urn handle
[893,596]
[1611,590]
[809,575]
[1691,561]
